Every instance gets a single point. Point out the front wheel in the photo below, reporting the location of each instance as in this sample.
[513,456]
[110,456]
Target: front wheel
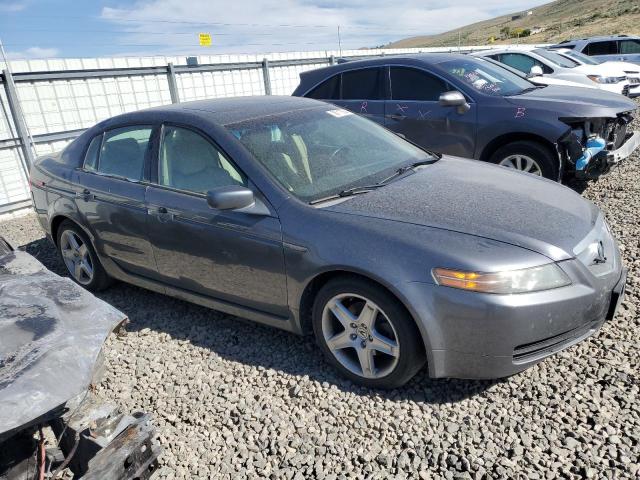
[366,334]
[528,157]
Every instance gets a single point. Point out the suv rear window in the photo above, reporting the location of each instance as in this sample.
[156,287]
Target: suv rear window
[362,84]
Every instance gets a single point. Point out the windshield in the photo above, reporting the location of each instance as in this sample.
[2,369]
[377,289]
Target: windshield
[556,58]
[581,57]
[486,77]
[320,152]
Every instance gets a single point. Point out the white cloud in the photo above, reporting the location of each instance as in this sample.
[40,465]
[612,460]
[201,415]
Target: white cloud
[33,52]
[278,25]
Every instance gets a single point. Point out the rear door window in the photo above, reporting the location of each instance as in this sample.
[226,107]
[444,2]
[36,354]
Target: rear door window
[411,84]
[327,90]
[123,152]
[364,84]
[609,47]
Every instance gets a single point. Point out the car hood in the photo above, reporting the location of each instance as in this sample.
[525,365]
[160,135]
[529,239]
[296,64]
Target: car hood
[485,200]
[572,102]
[625,66]
[601,69]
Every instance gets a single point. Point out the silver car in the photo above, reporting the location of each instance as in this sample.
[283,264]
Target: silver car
[304,216]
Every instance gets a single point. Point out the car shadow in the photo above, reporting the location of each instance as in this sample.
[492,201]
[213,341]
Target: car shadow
[579,186]
[252,344]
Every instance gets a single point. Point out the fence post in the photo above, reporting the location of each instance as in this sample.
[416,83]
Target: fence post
[18,120]
[332,60]
[266,77]
[173,86]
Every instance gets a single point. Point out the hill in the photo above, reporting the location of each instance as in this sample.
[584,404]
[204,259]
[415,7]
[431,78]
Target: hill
[548,23]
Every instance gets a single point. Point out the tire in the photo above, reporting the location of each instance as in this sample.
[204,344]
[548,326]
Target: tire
[545,163]
[388,340]
[68,233]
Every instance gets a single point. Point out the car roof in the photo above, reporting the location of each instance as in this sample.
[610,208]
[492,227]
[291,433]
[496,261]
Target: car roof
[225,111]
[597,38]
[494,51]
[313,77]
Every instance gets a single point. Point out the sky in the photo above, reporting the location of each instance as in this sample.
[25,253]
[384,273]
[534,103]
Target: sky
[98,28]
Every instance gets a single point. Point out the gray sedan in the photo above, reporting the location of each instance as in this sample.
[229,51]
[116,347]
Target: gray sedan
[301,215]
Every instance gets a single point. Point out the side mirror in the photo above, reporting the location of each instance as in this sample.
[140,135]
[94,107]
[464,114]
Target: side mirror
[232,197]
[454,99]
[536,71]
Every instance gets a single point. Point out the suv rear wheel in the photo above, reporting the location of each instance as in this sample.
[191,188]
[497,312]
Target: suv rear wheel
[528,157]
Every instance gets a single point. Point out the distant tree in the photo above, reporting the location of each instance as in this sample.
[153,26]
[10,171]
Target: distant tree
[505,32]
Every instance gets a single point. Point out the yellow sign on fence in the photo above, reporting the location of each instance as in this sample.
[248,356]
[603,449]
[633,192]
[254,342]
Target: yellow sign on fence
[205,39]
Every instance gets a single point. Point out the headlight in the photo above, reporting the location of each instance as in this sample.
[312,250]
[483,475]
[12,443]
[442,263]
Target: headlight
[534,279]
[605,80]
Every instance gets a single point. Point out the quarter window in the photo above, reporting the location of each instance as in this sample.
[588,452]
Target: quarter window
[362,84]
[91,158]
[189,162]
[412,84]
[602,48]
[629,46]
[123,152]
[327,90]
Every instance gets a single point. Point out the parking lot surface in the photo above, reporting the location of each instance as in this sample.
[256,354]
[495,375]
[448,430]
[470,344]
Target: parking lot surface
[233,399]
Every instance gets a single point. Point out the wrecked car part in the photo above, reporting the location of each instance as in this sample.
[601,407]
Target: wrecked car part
[106,442]
[52,333]
[582,144]
[593,147]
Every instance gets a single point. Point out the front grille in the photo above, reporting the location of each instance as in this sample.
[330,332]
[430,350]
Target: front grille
[625,91]
[633,80]
[547,346]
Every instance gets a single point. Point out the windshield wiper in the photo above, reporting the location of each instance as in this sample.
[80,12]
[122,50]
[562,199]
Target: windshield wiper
[348,193]
[404,169]
[367,188]
[528,89]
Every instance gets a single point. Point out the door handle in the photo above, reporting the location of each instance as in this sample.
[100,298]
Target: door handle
[84,194]
[396,116]
[161,213]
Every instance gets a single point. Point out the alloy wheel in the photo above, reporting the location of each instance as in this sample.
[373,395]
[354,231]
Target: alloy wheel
[76,257]
[523,163]
[360,336]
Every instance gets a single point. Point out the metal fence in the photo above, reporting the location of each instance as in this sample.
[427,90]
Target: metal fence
[46,103]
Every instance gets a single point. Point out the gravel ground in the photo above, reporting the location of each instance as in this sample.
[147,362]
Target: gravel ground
[236,400]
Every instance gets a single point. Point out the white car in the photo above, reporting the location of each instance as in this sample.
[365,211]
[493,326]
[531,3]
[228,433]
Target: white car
[538,62]
[631,70]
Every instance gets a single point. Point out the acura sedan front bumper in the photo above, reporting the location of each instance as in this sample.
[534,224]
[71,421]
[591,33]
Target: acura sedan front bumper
[476,335]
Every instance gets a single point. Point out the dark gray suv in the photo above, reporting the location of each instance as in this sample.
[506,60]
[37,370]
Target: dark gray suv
[471,107]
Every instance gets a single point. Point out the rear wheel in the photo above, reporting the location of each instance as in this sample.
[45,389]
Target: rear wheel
[528,157]
[80,258]
[366,334]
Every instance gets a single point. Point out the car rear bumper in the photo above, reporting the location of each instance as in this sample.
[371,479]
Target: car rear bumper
[473,335]
[625,150]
